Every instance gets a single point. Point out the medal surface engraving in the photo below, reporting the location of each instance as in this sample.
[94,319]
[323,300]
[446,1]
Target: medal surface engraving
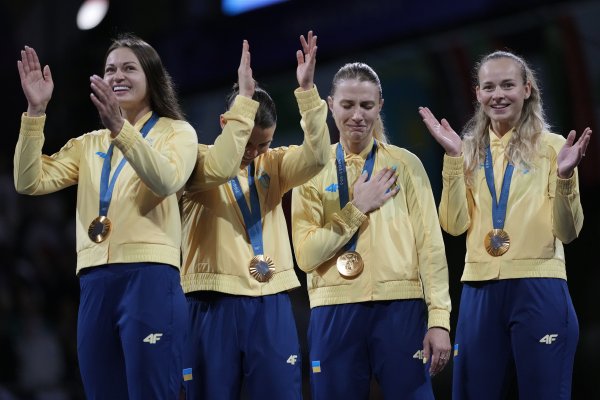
[350,264]
[262,268]
[497,242]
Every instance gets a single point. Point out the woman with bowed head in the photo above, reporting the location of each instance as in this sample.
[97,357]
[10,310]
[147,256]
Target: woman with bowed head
[366,232]
[236,277]
[132,312]
[512,186]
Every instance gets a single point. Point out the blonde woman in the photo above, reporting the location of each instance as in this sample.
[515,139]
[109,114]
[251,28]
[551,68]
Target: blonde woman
[366,232]
[512,187]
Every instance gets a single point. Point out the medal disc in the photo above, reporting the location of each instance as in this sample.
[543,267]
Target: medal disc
[496,242]
[99,229]
[262,268]
[350,264]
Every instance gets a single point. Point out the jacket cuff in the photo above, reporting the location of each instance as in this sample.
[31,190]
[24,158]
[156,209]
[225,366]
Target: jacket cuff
[244,106]
[567,186]
[126,138]
[307,99]
[439,319]
[32,126]
[453,165]
[352,216]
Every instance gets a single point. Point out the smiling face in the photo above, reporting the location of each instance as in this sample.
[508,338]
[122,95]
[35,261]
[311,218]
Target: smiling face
[124,73]
[502,92]
[355,106]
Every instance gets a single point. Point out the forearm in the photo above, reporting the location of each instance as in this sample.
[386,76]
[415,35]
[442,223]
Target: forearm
[27,161]
[300,163]
[163,171]
[434,275]
[567,212]
[314,242]
[454,210]
[37,174]
[432,264]
[219,163]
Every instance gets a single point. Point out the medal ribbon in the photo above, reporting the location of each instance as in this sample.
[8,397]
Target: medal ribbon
[498,207]
[343,182]
[252,217]
[106,187]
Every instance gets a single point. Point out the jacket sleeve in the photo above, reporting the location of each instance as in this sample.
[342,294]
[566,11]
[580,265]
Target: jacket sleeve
[454,214]
[35,173]
[164,171]
[567,213]
[314,240]
[300,163]
[433,267]
[219,163]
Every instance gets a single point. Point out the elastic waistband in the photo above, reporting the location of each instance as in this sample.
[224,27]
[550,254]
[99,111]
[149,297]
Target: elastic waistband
[119,268]
[210,295]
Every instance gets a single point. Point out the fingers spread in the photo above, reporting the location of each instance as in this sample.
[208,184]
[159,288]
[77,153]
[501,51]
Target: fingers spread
[304,44]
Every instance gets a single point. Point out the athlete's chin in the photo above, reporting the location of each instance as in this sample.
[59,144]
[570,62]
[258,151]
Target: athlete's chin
[357,136]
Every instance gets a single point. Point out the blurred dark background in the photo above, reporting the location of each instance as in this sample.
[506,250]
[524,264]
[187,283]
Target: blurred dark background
[423,51]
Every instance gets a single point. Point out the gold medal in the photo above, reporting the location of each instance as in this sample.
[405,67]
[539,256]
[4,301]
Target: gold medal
[262,268]
[496,242]
[350,264]
[99,229]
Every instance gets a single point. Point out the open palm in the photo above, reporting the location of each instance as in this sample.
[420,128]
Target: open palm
[246,82]
[37,84]
[572,152]
[442,132]
[305,72]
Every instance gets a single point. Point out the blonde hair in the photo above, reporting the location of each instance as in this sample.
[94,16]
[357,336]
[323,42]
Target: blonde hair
[524,144]
[363,73]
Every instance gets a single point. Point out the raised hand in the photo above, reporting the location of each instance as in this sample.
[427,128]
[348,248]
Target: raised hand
[372,194]
[442,132]
[246,82]
[572,152]
[305,72]
[37,84]
[107,104]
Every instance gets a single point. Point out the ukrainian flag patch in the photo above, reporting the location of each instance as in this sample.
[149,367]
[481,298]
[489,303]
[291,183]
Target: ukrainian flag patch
[187,374]
[316,367]
[455,349]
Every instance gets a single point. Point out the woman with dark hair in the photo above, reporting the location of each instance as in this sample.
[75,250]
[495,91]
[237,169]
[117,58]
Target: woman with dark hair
[365,231]
[237,259]
[512,186]
[132,314]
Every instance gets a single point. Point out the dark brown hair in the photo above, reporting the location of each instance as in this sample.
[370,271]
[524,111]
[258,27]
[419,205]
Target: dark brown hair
[266,115]
[163,99]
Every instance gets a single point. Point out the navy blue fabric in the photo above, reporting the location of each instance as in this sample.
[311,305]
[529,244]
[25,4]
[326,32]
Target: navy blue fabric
[515,327]
[131,331]
[353,342]
[244,342]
